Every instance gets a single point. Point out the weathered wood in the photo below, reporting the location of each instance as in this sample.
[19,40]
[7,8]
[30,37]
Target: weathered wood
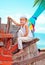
[0,23]
[26,44]
[38,58]
[8,26]
[41,50]
[4,35]
[15,56]
[30,60]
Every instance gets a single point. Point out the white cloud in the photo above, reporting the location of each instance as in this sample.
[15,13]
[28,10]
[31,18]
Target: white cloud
[41,19]
[40,24]
[40,30]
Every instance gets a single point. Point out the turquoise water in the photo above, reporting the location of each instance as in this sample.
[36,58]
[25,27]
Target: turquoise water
[41,43]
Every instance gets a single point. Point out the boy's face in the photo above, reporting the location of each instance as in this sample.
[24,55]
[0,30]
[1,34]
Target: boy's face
[23,20]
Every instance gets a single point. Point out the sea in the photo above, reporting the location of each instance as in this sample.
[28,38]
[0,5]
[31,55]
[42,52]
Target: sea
[41,43]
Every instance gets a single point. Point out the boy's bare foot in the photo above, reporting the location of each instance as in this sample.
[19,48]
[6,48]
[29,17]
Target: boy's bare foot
[20,52]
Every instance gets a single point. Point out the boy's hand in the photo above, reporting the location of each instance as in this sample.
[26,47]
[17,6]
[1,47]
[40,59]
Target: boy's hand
[23,35]
[9,18]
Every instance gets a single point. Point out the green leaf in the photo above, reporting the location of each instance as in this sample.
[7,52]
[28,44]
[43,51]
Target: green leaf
[37,2]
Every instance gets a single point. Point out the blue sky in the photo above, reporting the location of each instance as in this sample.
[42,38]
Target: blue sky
[17,8]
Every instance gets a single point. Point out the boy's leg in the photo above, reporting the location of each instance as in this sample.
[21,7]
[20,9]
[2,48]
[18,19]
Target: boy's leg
[20,33]
[26,39]
[20,46]
[23,39]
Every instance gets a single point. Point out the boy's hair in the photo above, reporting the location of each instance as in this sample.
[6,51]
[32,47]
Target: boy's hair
[23,17]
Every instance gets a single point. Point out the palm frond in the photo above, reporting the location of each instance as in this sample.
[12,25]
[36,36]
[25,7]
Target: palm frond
[37,2]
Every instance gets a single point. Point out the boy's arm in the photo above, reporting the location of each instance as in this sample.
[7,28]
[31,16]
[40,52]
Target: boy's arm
[26,27]
[14,21]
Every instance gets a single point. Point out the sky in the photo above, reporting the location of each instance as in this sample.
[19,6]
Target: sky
[18,8]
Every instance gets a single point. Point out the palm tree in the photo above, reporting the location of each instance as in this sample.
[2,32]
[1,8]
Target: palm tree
[39,10]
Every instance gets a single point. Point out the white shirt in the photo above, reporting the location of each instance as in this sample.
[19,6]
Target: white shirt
[24,31]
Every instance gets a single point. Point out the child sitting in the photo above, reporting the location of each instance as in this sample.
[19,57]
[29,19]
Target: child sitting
[24,34]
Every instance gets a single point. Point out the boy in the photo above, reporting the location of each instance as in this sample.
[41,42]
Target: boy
[24,34]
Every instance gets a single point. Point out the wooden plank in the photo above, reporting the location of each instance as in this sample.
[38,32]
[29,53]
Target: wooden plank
[8,26]
[6,63]
[5,58]
[0,23]
[4,35]
[9,42]
[14,48]
[5,54]
[26,44]
[31,60]
[15,56]
[34,59]
[41,50]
